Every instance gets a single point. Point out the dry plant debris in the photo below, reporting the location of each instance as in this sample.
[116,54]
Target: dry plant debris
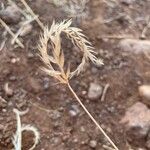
[104,92]
[17,138]
[11,33]
[32,13]
[58,58]
[143,34]
[25,25]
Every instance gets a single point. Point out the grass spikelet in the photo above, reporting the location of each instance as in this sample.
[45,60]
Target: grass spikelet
[77,38]
[52,35]
[17,138]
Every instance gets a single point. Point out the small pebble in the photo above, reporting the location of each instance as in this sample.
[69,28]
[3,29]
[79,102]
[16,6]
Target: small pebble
[111,109]
[84,92]
[137,122]
[72,113]
[15,60]
[75,140]
[12,78]
[46,83]
[82,129]
[93,144]
[95,91]
[144,91]
[4,110]
[30,55]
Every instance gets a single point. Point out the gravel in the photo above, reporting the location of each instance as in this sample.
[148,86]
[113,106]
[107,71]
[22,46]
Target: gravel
[95,91]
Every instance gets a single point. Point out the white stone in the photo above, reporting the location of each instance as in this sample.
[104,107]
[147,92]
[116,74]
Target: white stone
[137,121]
[128,2]
[144,91]
[95,91]
[135,46]
[93,144]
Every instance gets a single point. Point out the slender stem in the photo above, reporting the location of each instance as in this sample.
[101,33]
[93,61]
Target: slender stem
[18,136]
[11,33]
[92,118]
[32,13]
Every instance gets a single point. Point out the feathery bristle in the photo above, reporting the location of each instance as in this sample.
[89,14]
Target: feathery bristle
[77,38]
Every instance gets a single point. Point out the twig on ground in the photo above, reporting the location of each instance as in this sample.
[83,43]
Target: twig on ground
[113,19]
[117,37]
[39,107]
[33,14]
[11,33]
[19,9]
[17,139]
[107,147]
[2,44]
[21,29]
[110,3]
[3,100]
[4,41]
[104,92]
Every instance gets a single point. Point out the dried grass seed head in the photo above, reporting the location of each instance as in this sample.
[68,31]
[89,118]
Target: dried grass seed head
[54,36]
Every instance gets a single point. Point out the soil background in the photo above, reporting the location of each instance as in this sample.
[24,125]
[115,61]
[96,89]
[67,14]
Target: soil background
[124,71]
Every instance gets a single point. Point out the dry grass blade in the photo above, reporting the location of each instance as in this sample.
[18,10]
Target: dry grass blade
[32,13]
[22,28]
[104,92]
[57,58]
[2,44]
[11,33]
[36,134]
[17,139]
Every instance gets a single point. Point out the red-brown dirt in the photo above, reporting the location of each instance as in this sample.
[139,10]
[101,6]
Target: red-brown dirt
[123,71]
